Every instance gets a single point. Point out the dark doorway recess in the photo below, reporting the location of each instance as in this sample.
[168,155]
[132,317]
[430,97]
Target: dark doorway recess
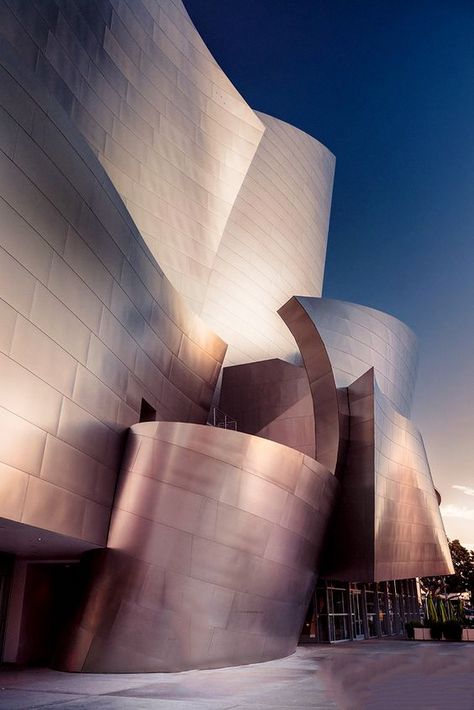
[147,413]
[6,567]
[50,597]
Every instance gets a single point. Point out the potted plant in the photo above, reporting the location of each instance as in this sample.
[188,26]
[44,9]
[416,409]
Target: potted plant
[410,627]
[436,629]
[452,630]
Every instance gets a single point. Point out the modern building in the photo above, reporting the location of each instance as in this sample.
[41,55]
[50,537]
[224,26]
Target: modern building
[199,456]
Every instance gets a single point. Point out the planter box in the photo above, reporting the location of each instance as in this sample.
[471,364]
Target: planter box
[425,635]
[422,634]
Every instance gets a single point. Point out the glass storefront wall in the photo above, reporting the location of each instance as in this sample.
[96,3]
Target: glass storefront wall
[340,611]
[357,612]
[338,607]
[371,612]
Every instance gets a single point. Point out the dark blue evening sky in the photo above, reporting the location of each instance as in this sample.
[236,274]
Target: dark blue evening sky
[388,87]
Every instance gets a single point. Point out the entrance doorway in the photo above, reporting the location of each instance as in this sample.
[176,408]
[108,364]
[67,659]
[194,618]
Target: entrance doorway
[6,566]
[50,597]
[357,617]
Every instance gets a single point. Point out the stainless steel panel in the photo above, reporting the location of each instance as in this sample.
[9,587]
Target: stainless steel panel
[21,443]
[82,259]
[46,359]
[73,292]
[27,396]
[16,285]
[13,485]
[65,516]
[8,317]
[274,242]
[194,147]
[71,469]
[59,323]
[23,243]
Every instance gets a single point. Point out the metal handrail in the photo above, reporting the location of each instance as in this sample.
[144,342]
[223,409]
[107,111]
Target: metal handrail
[222,420]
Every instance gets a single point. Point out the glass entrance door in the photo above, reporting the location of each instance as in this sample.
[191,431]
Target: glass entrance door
[357,622]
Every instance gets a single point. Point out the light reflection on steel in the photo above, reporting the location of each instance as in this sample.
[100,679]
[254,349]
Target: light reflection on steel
[321,381]
[387,524]
[213,553]
[141,149]
[358,337]
[90,326]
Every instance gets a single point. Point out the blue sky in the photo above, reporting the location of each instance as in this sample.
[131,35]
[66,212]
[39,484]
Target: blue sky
[388,87]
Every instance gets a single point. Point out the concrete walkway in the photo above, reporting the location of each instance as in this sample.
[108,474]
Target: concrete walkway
[365,675]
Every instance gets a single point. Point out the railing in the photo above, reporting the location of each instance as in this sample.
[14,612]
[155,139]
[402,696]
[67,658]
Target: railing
[222,420]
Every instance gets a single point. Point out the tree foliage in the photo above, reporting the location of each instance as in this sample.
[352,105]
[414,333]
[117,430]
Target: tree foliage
[463,578]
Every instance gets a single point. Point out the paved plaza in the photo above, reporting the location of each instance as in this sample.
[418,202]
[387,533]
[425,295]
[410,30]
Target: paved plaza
[365,675]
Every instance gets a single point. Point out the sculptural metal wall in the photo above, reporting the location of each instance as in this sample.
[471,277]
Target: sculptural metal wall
[179,143]
[271,399]
[169,128]
[321,381]
[358,338]
[122,142]
[387,523]
[213,550]
[410,539]
[89,323]
[273,246]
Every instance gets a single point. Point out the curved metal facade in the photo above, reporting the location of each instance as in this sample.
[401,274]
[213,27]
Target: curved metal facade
[146,213]
[410,540]
[273,246]
[271,399]
[90,325]
[214,542]
[172,133]
[321,382]
[358,338]
[387,523]
[387,496]
[217,191]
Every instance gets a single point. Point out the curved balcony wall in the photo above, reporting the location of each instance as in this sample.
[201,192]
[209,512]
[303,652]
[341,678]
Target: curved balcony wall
[89,323]
[213,553]
[358,338]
